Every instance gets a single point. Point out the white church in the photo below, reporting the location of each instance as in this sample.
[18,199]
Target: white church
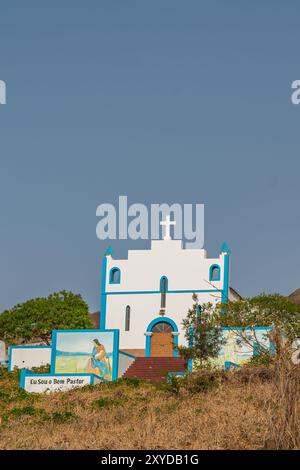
[147,296]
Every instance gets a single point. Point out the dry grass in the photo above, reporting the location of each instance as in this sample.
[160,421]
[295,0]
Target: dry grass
[223,411]
[284,406]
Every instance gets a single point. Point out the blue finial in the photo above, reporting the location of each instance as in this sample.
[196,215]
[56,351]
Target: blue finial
[109,251]
[225,248]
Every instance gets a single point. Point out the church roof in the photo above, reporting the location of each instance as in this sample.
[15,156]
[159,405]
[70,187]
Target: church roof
[95,319]
[294,297]
[234,294]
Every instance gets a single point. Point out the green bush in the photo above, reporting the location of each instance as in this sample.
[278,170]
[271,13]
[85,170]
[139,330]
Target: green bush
[25,411]
[108,402]
[132,382]
[202,382]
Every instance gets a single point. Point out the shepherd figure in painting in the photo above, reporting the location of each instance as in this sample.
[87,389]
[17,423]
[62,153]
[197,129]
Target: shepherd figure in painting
[100,361]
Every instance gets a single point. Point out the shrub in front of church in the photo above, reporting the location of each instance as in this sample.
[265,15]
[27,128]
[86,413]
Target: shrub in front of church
[10,391]
[201,381]
[265,359]
[35,319]
[202,332]
[205,380]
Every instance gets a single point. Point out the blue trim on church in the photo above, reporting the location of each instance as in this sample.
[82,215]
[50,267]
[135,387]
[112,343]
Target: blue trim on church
[103,295]
[183,291]
[225,291]
[225,248]
[161,282]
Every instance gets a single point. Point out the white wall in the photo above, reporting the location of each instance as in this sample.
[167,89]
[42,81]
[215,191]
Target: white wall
[26,357]
[124,362]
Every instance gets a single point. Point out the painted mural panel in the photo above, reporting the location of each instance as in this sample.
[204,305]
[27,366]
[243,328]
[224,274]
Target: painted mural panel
[2,352]
[241,345]
[85,351]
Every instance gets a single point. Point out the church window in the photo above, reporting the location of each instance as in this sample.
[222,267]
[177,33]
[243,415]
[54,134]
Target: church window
[162,327]
[115,276]
[163,290]
[214,273]
[127,318]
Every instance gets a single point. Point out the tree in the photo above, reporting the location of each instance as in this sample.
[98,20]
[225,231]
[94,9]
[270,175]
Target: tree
[263,310]
[203,335]
[35,319]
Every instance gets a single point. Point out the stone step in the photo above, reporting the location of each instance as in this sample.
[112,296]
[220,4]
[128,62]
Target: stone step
[155,368]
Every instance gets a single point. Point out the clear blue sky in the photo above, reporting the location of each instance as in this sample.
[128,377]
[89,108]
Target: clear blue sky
[165,101]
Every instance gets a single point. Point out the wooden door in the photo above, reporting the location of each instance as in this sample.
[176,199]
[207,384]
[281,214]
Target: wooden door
[162,345]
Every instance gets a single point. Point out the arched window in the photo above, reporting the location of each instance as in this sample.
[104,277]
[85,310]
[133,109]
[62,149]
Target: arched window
[115,276]
[163,290]
[214,273]
[162,327]
[127,318]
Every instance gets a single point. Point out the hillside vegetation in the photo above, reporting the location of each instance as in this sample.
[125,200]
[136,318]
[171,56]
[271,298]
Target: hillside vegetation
[207,410]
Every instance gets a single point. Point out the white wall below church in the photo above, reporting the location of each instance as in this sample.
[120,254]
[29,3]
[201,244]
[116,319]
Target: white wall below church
[125,362]
[26,357]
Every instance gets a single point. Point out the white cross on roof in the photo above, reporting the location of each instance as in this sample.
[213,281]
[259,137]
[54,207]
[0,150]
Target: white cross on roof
[167,225]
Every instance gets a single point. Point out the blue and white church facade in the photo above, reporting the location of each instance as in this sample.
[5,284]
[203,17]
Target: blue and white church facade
[151,291]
